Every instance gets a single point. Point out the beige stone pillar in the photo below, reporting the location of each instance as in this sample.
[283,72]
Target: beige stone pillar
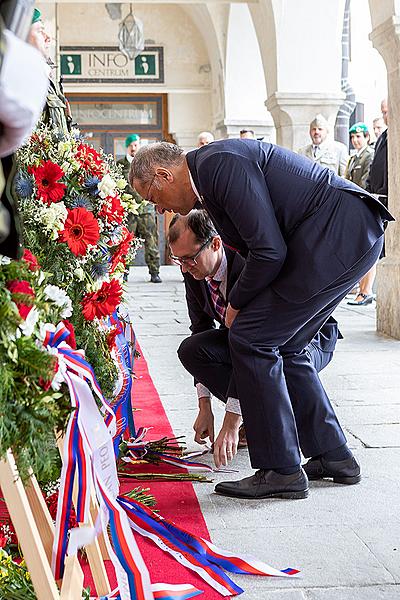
[293,112]
[386,39]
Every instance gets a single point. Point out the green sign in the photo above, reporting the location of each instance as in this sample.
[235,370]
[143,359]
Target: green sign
[145,64]
[71,64]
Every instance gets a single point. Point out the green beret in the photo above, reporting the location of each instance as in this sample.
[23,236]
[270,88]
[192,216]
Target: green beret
[37,15]
[358,128]
[134,137]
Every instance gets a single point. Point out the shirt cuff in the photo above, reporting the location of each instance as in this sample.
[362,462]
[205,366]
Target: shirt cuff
[233,406]
[202,391]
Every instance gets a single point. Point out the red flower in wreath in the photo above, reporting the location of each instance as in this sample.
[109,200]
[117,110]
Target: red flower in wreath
[20,291]
[80,229]
[112,334]
[112,210]
[47,176]
[46,383]
[90,160]
[122,250]
[31,260]
[103,302]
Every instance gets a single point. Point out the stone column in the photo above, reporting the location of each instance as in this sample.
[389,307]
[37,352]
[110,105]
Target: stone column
[386,39]
[293,112]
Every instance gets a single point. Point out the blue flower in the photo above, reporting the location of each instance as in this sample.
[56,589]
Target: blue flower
[91,184]
[99,269]
[82,202]
[23,186]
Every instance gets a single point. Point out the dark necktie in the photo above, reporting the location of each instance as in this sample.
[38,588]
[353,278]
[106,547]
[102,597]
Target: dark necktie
[217,298]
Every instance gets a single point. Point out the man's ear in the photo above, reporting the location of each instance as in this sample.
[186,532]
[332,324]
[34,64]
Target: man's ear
[216,243]
[165,174]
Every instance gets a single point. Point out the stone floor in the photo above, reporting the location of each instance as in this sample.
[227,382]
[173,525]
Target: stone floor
[345,540]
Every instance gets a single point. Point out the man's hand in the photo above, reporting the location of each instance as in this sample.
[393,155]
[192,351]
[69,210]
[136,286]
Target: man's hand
[204,423]
[231,314]
[225,446]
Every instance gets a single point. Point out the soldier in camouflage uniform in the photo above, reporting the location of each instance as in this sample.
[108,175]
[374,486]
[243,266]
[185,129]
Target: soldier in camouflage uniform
[56,111]
[144,224]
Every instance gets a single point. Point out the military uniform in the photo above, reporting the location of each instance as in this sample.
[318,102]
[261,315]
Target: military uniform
[144,224]
[358,166]
[331,154]
[56,111]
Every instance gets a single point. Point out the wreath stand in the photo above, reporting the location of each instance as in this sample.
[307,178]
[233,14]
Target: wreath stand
[35,531]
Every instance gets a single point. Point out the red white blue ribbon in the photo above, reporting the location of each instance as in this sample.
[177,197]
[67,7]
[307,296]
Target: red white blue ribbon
[194,552]
[88,449]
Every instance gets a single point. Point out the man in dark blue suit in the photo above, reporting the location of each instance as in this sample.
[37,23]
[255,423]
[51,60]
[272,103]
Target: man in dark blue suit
[308,236]
[197,248]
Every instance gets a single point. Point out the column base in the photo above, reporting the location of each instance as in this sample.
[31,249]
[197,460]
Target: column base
[388,299]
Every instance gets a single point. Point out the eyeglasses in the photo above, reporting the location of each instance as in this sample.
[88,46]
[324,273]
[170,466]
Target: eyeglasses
[149,188]
[189,261]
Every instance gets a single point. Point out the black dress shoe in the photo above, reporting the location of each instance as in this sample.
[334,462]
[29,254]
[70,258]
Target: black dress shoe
[155,278]
[341,471]
[266,484]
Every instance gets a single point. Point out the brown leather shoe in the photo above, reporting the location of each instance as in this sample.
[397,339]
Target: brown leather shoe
[242,437]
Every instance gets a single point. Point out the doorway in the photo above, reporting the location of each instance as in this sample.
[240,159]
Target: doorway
[107,119]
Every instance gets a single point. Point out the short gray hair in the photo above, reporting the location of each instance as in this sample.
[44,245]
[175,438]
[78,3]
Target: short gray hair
[148,158]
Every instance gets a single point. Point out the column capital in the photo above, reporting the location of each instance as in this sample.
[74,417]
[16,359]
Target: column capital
[293,111]
[386,39]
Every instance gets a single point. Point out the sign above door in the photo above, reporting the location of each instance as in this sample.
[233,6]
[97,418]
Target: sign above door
[106,64]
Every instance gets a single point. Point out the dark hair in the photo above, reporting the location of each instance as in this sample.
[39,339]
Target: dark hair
[246,131]
[197,221]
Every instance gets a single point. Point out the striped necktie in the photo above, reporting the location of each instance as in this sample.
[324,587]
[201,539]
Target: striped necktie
[217,298]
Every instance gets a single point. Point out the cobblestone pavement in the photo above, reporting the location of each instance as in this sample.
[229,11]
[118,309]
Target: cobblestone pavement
[345,540]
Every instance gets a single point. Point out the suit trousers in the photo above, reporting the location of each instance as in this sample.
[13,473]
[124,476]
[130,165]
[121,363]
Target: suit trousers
[206,356]
[283,402]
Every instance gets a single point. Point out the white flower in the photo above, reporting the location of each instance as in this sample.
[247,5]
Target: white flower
[4,260]
[79,273]
[27,327]
[106,186]
[54,217]
[60,298]
[121,183]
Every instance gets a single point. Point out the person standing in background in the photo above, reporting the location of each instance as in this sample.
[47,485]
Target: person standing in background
[144,224]
[204,138]
[377,184]
[325,152]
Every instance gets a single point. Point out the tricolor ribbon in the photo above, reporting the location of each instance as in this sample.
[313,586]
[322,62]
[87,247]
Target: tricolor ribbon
[88,449]
[124,360]
[199,555]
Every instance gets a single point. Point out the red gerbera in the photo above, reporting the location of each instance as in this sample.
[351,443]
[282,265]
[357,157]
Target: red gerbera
[21,291]
[112,210]
[90,160]
[80,229]
[122,250]
[31,260]
[47,176]
[103,302]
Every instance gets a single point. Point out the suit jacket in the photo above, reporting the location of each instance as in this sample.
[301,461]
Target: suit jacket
[331,154]
[377,182]
[299,225]
[201,309]
[203,315]
[358,167]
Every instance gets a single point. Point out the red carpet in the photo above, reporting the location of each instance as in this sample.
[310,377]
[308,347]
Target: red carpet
[176,500]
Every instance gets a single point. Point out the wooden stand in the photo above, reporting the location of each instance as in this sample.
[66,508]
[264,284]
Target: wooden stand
[35,531]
